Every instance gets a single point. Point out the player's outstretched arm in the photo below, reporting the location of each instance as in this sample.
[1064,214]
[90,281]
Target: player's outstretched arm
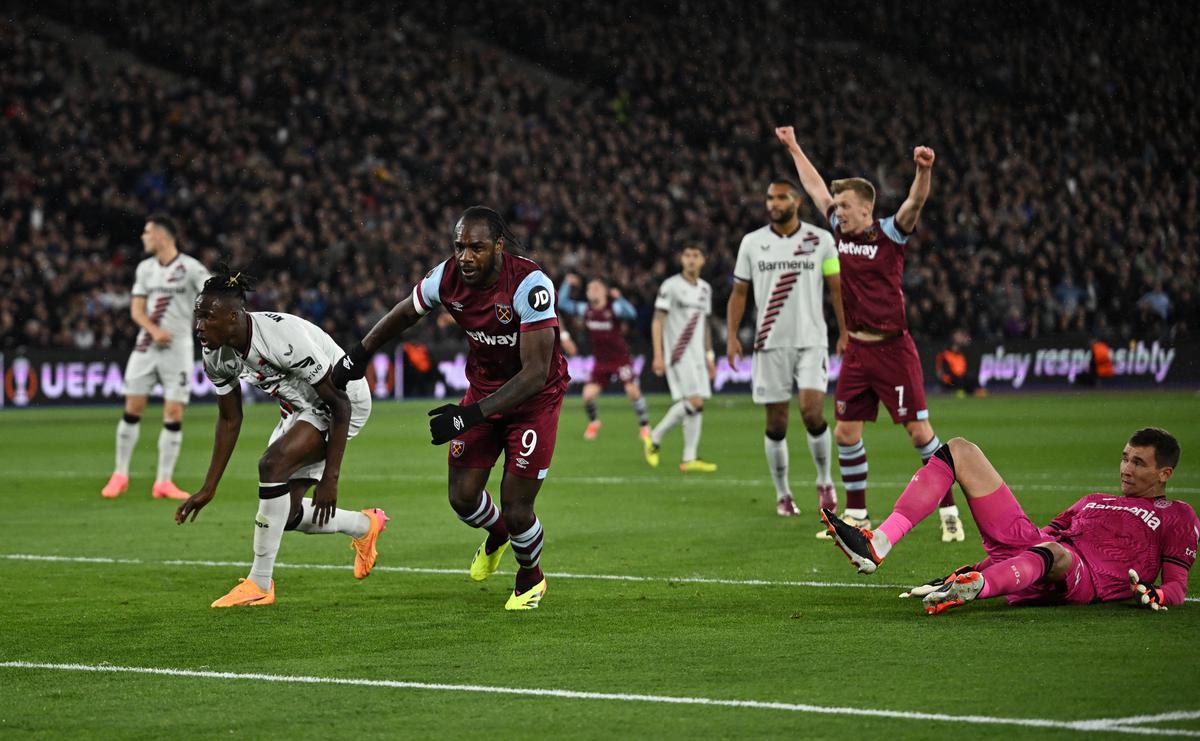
[353,365]
[229,426]
[735,309]
[567,304]
[325,493]
[910,210]
[813,184]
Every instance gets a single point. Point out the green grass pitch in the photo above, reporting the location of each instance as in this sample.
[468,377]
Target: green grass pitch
[731,603]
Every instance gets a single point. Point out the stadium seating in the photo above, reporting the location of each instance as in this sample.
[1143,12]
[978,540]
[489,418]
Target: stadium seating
[331,150]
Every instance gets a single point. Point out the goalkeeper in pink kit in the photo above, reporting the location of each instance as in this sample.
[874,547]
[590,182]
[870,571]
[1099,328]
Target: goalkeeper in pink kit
[1103,547]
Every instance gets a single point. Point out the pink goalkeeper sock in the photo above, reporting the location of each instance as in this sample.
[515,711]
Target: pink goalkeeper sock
[1017,573]
[919,500]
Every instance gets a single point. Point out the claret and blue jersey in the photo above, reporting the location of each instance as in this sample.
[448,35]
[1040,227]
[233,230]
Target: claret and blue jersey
[494,317]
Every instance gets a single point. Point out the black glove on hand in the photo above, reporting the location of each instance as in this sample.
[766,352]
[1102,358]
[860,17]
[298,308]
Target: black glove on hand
[450,420]
[351,367]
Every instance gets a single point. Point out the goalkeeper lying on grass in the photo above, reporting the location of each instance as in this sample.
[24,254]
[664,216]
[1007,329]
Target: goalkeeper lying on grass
[1097,550]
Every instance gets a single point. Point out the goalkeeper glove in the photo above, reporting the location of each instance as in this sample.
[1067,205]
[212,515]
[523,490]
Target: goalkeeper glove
[923,589]
[1145,593]
[450,420]
[351,367]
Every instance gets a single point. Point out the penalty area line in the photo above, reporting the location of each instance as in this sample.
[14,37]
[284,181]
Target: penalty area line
[429,570]
[1086,726]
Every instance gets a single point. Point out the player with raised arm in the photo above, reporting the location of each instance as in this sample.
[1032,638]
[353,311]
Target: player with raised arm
[288,358]
[1103,547]
[681,323]
[518,376]
[788,262]
[880,362]
[602,314]
[165,286]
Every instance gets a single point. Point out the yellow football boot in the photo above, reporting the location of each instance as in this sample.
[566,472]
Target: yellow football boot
[698,466]
[529,599]
[484,564]
[652,451]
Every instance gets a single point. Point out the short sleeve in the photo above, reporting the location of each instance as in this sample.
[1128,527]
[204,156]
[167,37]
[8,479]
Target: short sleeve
[534,302]
[831,217]
[708,300]
[139,281]
[200,276]
[893,231]
[222,377]
[741,268]
[426,294]
[830,264]
[662,302]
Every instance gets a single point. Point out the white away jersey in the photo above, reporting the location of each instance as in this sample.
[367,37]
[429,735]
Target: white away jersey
[285,357]
[788,277]
[688,306]
[170,291]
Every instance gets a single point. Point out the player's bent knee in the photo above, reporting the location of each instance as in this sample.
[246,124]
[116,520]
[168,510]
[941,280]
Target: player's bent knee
[270,468]
[1059,560]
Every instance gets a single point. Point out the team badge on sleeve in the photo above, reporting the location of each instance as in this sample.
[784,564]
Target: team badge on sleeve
[504,312]
[457,447]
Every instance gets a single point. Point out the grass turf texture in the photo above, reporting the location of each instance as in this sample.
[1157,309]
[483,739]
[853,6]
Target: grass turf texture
[605,513]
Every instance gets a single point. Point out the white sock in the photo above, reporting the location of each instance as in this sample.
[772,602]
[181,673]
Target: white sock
[127,437]
[347,522]
[820,447]
[691,432]
[947,511]
[673,417]
[777,462]
[269,523]
[880,543]
[859,513]
[169,442]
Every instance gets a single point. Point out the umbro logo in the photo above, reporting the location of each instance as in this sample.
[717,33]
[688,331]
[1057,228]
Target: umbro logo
[347,363]
[458,423]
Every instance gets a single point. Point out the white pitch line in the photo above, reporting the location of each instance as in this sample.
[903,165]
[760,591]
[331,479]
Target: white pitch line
[1084,726]
[658,481]
[427,570]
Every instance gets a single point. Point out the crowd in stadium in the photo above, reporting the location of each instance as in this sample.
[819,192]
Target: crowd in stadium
[330,152]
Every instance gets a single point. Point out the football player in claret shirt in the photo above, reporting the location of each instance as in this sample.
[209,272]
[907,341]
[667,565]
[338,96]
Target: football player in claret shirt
[518,375]
[1104,547]
[288,358]
[880,361]
[602,315]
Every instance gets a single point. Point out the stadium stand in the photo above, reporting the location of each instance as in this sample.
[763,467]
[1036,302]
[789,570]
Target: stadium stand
[332,149]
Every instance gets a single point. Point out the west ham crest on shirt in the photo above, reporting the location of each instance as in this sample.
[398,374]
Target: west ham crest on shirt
[504,312]
[456,448]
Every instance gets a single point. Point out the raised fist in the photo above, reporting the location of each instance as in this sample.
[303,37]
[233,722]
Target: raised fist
[923,156]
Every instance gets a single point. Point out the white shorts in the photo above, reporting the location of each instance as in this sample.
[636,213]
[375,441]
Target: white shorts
[171,366]
[777,372]
[360,410]
[688,379]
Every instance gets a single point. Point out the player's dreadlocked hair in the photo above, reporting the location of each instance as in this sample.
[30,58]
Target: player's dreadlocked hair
[227,282]
[497,227]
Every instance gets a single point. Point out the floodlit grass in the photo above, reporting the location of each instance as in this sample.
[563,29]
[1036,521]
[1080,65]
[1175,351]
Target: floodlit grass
[692,627]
